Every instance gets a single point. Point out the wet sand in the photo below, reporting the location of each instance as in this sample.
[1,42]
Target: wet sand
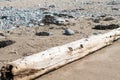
[101,65]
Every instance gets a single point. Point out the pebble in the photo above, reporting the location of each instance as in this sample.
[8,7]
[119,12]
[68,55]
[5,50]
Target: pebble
[44,34]
[108,18]
[69,32]
[60,21]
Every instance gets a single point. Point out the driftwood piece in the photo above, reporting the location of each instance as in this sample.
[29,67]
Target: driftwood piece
[30,67]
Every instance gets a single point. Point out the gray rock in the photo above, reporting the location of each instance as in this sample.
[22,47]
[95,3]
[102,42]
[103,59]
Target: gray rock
[108,18]
[60,21]
[69,32]
[30,25]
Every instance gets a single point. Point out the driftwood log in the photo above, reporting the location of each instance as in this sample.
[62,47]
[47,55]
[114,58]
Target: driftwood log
[30,67]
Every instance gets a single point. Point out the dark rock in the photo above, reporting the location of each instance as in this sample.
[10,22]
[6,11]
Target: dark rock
[96,20]
[43,9]
[1,34]
[64,15]
[6,43]
[48,19]
[51,28]
[105,27]
[52,6]
[117,9]
[44,33]
[4,17]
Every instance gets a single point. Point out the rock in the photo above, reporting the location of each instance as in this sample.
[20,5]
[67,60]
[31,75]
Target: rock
[64,15]
[4,17]
[95,19]
[6,43]
[104,27]
[108,18]
[30,25]
[117,9]
[60,21]
[52,6]
[1,34]
[51,19]
[69,32]
[48,19]
[96,33]
[44,33]
[41,24]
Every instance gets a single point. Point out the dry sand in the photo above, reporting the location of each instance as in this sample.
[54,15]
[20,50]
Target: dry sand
[60,4]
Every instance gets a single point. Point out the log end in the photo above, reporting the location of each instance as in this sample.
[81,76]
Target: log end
[6,72]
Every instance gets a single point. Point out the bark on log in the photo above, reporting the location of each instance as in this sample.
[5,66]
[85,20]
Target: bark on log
[30,67]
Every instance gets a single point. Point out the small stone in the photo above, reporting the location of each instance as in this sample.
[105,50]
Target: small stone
[30,25]
[48,19]
[95,33]
[41,24]
[60,21]
[117,9]
[108,18]
[52,6]
[1,34]
[44,33]
[69,32]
